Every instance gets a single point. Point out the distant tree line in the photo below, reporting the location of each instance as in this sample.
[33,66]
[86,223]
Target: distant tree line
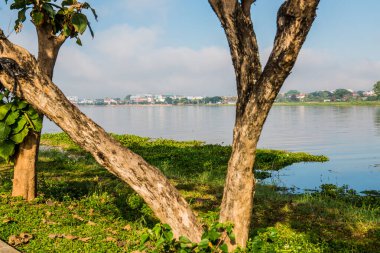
[186,101]
[334,96]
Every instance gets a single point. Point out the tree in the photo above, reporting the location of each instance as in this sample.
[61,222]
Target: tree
[257,90]
[54,24]
[292,92]
[18,65]
[376,88]
[169,100]
[342,94]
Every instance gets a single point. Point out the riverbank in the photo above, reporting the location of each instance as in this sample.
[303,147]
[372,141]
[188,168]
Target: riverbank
[348,103]
[83,208]
[343,103]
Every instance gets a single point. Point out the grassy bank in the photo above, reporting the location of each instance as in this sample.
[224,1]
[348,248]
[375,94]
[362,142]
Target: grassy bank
[83,208]
[348,103]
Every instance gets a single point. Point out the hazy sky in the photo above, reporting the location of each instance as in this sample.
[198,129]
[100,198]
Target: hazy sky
[179,47]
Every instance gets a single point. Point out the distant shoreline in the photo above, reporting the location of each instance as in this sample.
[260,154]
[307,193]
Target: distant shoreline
[348,103]
[354,103]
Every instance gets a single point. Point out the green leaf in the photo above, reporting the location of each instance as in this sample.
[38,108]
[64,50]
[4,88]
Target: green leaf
[21,124]
[79,42]
[4,109]
[37,124]
[169,236]
[12,117]
[204,244]
[184,239]
[4,131]
[21,15]
[33,114]
[19,137]
[67,2]
[86,5]
[18,4]
[66,30]
[213,235]
[49,10]
[160,242]
[22,104]
[166,226]
[91,31]
[37,18]
[7,149]
[79,22]
[224,248]
[144,238]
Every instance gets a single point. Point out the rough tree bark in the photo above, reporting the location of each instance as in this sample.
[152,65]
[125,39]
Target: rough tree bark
[257,90]
[17,64]
[25,174]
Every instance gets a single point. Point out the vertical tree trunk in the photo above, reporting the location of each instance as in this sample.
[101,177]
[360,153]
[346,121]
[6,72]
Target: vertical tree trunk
[25,172]
[239,188]
[256,90]
[25,176]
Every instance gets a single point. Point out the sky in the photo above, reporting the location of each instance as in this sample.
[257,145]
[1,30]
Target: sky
[178,47]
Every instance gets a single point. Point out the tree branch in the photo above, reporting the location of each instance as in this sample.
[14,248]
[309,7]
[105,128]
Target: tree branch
[246,5]
[294,20]
[243,45]
[148,181]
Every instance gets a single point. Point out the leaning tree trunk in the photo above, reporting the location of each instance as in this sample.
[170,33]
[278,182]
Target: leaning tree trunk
[256,90]
[25,172]
[17,65]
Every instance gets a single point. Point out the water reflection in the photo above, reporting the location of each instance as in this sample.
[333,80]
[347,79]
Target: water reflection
[377,120]
[349,136]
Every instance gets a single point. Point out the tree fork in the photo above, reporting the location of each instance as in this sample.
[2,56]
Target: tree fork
[256,89]
[148,181]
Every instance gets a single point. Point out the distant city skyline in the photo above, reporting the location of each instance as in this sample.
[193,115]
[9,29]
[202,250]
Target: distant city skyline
[178,47]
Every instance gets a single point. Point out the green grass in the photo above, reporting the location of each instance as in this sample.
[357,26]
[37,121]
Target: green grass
[79,198]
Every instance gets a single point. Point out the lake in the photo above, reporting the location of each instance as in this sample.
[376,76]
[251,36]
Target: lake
[349,136]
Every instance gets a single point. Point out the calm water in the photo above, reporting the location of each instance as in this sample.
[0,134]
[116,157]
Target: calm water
[349,136]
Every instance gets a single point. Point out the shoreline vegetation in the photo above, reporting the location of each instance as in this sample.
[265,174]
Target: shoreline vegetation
[341,103]
[83,208]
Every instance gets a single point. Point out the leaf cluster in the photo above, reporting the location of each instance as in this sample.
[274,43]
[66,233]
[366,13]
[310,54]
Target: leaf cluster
[65,19]
[160,239]
[282,239]
[17,118]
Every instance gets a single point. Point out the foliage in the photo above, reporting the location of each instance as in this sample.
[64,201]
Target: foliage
[66,19]
[376,88]
[17,118]
[342,94]
[278,159]
[344,193]
[160,239]
[282,239]
[183,158]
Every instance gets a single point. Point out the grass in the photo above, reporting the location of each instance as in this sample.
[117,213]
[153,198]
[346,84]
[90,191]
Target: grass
[83,208]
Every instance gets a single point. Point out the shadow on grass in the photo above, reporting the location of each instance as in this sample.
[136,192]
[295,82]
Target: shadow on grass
[338,222]
[198,171]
